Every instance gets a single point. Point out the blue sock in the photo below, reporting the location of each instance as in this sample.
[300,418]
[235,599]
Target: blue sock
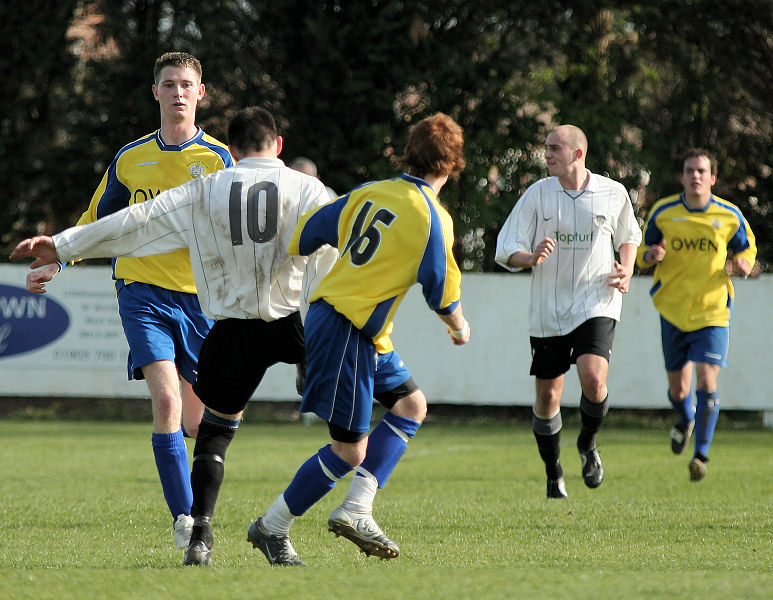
[683,408]
[316,477]
[174,471]
[706,415]
[386,446]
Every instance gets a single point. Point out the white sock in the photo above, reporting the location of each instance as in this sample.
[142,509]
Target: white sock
[278,519]
[362,492]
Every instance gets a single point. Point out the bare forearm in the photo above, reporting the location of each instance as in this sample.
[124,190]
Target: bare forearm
[627,256]
[521,259]
[458,327]
[454,320]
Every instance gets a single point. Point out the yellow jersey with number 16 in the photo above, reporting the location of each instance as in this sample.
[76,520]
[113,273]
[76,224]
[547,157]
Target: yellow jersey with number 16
[390,235]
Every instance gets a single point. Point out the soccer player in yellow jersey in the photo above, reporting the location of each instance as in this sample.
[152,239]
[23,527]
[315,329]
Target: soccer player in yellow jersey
[157,300]
[389,235]
[689,238]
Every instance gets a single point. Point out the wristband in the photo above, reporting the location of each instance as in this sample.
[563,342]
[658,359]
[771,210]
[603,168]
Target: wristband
[459,334]
[646,257]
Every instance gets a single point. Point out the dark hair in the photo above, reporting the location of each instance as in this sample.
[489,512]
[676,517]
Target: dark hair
[696,153]
[252,129]
[181,60]
[434,147]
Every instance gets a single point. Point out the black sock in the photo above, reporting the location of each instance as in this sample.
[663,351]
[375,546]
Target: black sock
[547,432]
[209,467]
[591,416]
[202,530]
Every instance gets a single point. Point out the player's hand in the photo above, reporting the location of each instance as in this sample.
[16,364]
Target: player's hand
[460,336]
[41,247]
[620,278]
[656,253]
[741,266]
[36,280]
[542,251]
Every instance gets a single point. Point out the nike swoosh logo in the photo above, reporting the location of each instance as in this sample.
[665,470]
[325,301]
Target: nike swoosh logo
[547,218]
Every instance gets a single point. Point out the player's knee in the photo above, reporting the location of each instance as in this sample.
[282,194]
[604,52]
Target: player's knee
[191,428]
[352,453]
[706,379]
[412,406]
[679,392]
[594,387]
[167,409]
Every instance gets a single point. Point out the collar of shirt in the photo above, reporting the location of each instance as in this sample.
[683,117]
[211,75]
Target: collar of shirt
[256,161]
[593,183]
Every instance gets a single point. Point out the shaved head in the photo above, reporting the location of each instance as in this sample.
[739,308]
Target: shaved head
[573,136]
[565,149]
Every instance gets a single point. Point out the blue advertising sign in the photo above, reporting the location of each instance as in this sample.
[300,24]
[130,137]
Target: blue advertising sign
[28,321]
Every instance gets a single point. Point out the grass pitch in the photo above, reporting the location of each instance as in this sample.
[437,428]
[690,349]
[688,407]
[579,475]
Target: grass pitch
[82,516]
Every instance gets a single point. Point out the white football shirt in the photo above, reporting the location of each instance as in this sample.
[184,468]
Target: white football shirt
[570,286]
[237,224]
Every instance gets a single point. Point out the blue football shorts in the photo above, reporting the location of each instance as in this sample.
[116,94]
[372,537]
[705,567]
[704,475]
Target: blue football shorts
[393,380]
[161,324]
[707,345]
[344,371]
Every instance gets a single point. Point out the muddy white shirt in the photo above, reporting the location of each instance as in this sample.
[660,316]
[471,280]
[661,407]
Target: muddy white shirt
[237,224]
[570,286]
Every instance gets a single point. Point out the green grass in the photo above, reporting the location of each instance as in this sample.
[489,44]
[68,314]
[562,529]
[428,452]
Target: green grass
[82,516]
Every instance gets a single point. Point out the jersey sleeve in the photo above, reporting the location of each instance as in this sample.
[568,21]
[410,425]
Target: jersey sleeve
[153,227]
[317,227]
[628,230]
[314,195]
[438,274]
[652,235]
[317,267]
[517,233]
[743,243]
[110,196]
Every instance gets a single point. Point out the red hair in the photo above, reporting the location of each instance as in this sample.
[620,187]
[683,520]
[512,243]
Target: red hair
[434,147]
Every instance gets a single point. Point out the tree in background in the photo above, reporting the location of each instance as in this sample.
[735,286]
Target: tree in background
[36,74]
[710,87]
[347,79]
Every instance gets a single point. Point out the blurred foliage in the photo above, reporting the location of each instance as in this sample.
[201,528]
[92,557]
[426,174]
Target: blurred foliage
[346,80]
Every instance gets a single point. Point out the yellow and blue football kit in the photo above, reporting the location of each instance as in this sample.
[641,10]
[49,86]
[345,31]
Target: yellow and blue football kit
[694,296]
[390,235]
[157,299]
[691,288]
[139,172]
[159,309]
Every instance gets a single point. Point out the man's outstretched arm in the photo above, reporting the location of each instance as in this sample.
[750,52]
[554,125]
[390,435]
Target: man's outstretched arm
[40,247]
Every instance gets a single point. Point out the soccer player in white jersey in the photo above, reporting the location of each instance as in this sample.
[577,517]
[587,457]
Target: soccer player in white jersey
[567,229]
[689,238]
[157,302]
[237,224]
[389,235]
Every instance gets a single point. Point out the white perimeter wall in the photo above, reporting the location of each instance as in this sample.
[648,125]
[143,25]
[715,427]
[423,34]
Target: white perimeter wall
[89,360]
